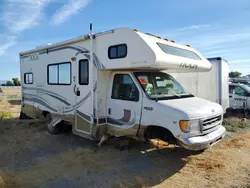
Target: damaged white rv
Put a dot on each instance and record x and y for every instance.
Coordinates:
(111, 83)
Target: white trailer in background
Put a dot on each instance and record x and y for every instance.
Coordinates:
(239, 96)
(211, 85)
(111, 83)
(245, 81)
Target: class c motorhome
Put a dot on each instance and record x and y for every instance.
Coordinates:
(111, 83)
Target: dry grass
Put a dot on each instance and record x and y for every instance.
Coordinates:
(3, 102)
(158, 144)
(236, 143)
(205, 163)
(11, 91)
(10, 103)
(236, 124)
(5, 115)
(8, 181)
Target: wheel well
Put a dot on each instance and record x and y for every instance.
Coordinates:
(45, 113)
(161, 133)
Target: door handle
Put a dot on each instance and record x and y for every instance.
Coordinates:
(109, 111)
(78, 92)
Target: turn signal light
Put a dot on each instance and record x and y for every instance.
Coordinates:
(185, 126)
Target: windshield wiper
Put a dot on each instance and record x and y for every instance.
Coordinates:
(176, 95)
(167, 95)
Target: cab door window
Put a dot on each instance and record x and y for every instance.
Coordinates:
(240, 91)
(231, 89)
(124, 88)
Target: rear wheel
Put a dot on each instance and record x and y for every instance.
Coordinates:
(24, 116)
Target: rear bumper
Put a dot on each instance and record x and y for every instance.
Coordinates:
(203, 142)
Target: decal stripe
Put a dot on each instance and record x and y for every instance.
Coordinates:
(43, 90)
(36, 100)
(84, 116)
(79, 49)
(58, 98)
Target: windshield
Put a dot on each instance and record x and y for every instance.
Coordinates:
(159, 85)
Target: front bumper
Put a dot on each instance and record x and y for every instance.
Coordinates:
(203, 142)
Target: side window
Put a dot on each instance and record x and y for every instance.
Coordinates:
(231, 89)
(83, 72)
(28, 78)
(240, 91)
(59, 74)
(117, 51)
(124, 88)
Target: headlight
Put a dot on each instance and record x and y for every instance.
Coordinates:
(185, 126)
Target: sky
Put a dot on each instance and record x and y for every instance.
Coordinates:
(216, 28)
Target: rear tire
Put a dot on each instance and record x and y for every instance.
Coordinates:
(24, 116)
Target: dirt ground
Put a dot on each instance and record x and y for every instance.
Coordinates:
(30, 157)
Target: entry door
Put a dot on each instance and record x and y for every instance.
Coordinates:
(237, 97)
(124, 103)
(83, 98)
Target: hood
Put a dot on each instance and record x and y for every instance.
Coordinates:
(194, 107)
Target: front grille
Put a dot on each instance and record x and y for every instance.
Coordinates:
(210, 124)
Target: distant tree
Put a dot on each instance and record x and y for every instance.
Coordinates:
(3, 84)
(234, 74)
(248, 75)
(9, 83)
(16, 81)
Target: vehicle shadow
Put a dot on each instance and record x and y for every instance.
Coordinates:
(66, 160)
(237, 113)
(144, 165)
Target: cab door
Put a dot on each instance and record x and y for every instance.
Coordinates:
(124, 104)
(237, 97)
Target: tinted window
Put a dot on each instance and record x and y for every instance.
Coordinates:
(83, 72)
(240, 91)
(113, 52)
(124, 88)
(121, 51)
(231, 89)
(28, 78)
(117, 51)
(59, 74)
(178, 51)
